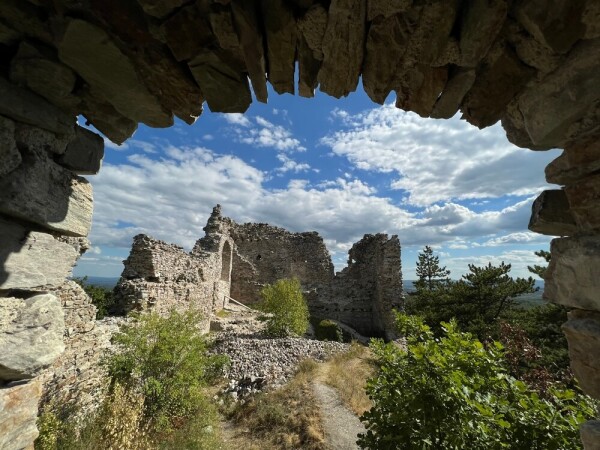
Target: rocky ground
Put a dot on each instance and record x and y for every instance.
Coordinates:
(258, 362)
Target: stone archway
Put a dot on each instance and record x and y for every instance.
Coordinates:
(120, 63)
(226, 262)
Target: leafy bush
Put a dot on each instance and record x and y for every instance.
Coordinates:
(103, 299)
(452, 392)
(166, 360)
(287, 306)
(326, 330)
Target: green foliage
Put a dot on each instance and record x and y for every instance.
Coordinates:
(538, 270)
(453, 393)
(166, 360)
(102, 298)
(326, 330)
(476, 301)
(287, 307)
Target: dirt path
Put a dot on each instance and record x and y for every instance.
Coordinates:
(341, 425)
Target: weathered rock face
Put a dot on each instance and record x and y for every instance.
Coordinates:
(18, 414)
(363, 294)
(31, 335)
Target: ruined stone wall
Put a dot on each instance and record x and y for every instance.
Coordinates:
(364, 293)
(76, 381)
(264, 254)
(45, 214)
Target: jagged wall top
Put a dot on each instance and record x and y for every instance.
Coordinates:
(119, 63)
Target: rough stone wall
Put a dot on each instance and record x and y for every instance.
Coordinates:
(76, 381)
(45, 214)
(264, 254)
(161, 277)
(364, 293)
(573, 275)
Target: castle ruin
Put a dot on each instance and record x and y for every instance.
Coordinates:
(234, 261)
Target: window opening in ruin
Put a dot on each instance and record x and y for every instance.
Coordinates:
(258, 257)
(226, 262)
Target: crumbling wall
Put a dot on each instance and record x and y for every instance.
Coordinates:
(364, 293)
(160, 277)
(77, 381)
(264, 254)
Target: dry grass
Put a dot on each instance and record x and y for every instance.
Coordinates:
(348, 373)
(284, 419)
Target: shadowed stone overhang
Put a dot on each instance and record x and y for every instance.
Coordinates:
(531, 64)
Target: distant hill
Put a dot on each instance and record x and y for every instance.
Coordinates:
(526, 300)
(103, 282)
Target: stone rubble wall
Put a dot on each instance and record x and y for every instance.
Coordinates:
(265, 254)
(364, 293)
(45, 216)
(76, 381)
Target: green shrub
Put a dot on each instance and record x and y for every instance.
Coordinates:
(326, 330)
(165, 359)
(453, 393)
(287, 306)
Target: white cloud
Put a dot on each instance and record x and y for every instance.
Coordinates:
(523, 237)
(518, 259)
(289, 165)
(438, 160)
(263, 133)
(109, 144)
(236, 119)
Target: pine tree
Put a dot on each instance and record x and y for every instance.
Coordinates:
(538, 270)
(431, 275)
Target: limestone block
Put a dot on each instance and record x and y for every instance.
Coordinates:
(8, 36)
(552, 105)
(160, 8)
(280, 27)
(343, 47)
(106, 118)
(453, 94)
(495, 86)
(557, 27)
(43, 75)
(31, 335)
(41, 140)
(590, 17)
(590, 435)
(252, 45)
(188, 31)
(426, 84)
(481, 22)
(223, 84)
(18, 415)
(91, 52)
(386, 44)
(32, 259)
(550, 214)
(583, 334)
(84, 153)
(579, 159)
(311, 31)
(573, 275)
(10, 158)
(584, 197)
(384, 8)
(23, 105)
(27, 19)
(43, 192)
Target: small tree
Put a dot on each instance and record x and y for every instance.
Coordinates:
(287, 307)
(165, 359)
(538, 270)
(429, 272)
(102, 298)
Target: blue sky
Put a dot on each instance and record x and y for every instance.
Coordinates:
(341, 167)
